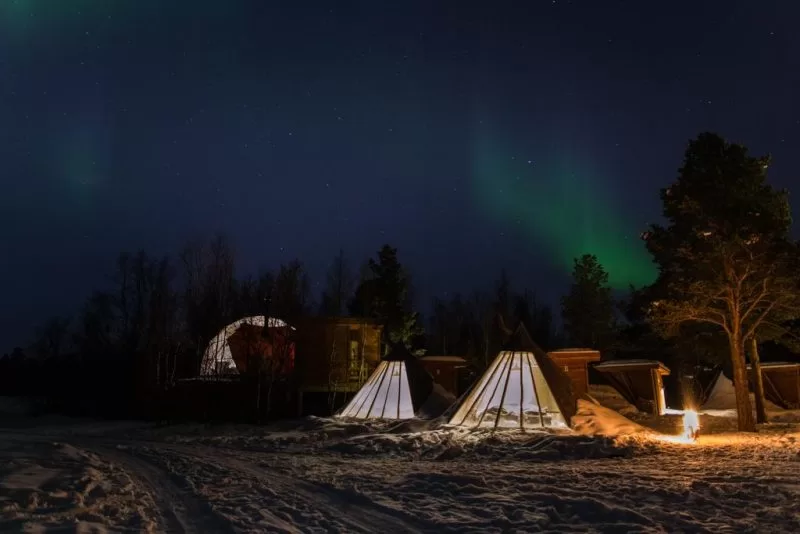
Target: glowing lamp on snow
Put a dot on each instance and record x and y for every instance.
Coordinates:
(691, 426)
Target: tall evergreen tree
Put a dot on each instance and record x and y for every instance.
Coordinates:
(724, 255)
(339, 287)
(384, 294)
(588, 311)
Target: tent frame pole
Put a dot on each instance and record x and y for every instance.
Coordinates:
(521, 395)
(493, 369)
(375, 397)
(505, 390)
(494, 391)
(367, 393)
(535, 389)
(400, 389)
(389, 387)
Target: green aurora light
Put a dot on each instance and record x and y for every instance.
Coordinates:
(565, 208)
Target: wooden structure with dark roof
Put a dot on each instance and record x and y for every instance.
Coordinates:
(639, 381)
(334, 358)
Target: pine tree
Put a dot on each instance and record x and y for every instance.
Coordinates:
(588, 311)
(724, 255)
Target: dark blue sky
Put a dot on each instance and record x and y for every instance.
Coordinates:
(299, 127)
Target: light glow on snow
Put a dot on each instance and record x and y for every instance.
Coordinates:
(691, 425)
(386, 395)
(513, 393)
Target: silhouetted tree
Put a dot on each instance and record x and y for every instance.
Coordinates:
(338, 288)
(208, 294)
(384, 294)
(52, 338)
(588, 311)
(291, 293)
(724, 256)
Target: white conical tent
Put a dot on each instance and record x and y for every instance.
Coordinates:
(218, 359)
(386, 395)
(722, 395)
(512, 393)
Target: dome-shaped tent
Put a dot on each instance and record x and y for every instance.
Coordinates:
(227, 352)
(397, 389)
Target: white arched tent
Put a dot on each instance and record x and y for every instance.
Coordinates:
(218, 359)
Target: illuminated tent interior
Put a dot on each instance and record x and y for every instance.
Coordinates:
(522, 388)
(226, 352)
(397, 389)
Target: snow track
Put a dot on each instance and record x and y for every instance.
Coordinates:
(327, 477)
(357, 512)
(179, 509)
(288, 500)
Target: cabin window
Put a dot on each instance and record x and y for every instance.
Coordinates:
(355, 356)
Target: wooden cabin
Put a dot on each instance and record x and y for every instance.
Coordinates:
(640, 382)
(575, 362)
(445, 371)
(781, 383)
(334, 357)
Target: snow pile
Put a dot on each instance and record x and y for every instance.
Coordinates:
(53, 484)
(596, 420)
(295, 434)
(448, 443)
(329, 475)
(437, 403)
(610, 398)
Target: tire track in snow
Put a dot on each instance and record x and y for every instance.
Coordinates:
(179, 511)
(356, 512)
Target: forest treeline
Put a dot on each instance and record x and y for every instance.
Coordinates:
(727, 293)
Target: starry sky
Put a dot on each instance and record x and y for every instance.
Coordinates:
(473, 136)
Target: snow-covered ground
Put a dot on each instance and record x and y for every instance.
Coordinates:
(324, 475)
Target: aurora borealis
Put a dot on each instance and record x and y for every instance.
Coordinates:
(563, 208)
(299, 128)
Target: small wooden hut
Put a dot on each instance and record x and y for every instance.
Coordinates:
(575, 362)
(334, 358)
(445, 371)
(639, 381)
(781, 383)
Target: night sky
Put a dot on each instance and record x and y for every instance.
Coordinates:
(471, 135)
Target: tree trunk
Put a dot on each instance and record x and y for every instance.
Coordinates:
(758, 382)
(744, 409)
(258, 396)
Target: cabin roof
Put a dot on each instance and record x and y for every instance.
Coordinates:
(632, 365)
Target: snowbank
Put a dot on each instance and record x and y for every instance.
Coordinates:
(609, 397)
(596, 420)
(52, 484)
(330, 475)
(437, 403)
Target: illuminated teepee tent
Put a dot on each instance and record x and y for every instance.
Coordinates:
(396, 390)
(523, 388)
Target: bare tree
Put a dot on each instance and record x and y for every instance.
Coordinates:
(339, 287)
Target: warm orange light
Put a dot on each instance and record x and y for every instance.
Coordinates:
(691, 429)
(691, 425)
